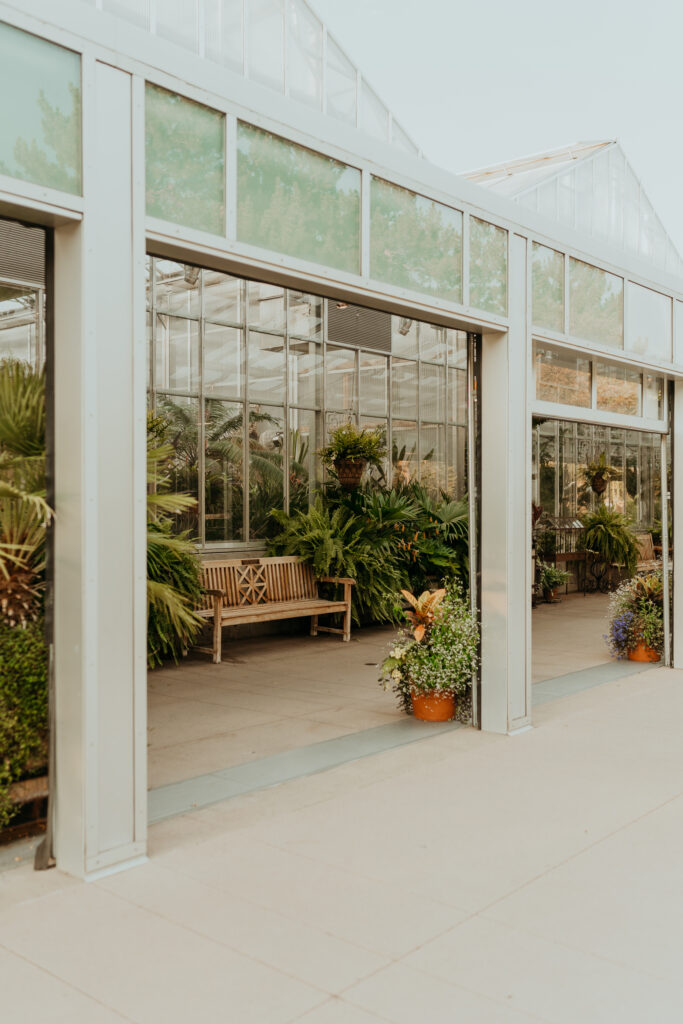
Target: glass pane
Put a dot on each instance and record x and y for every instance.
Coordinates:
(304, 470)
(456, 480)
(432, 392)
(432, 343)
(618, 389)
(653, 397)
(182, 416)
(176, 20)
(135, 11)
(223, 361)
(547, 287)
(404, 389)
(341, 387)
(20, 333)
(266, 361)
(562, 377)
(374, 380)
(149, 320)
(433, 474)
(224, 33)
(374, 116)
(415, 242)
(305, 314)
(185, 161)
(457, 348)
(404, 452)
(266, 306)
(341, 84)
(177, 288)
(222, 297)
(457, 396)
(266, 467)
(267, 42)
(321, 197)
(177, 352)
(40, 139)
(649, 326)
(404, 336)
(596, 304)
(305, 373)
(488, 267)
(224, 471)
(304, 55)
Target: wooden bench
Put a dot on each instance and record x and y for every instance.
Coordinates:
(243, 590)
(647, 560)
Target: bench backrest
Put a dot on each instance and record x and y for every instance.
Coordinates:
(246, 581)
(646, 551)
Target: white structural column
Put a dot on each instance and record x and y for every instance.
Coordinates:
(676, 514)
(505, 513)
(100, 612)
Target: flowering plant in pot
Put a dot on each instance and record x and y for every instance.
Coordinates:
(550, 578)
(636, 619)
(350, 450)
(432, 661)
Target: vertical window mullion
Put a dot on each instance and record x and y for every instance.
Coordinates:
(286, 431)
(201, 431)
(245, 418)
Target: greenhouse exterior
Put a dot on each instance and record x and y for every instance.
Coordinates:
(237, 228)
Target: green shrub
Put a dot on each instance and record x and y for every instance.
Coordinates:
(23, 708)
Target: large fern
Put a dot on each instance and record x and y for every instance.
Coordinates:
(609, 535)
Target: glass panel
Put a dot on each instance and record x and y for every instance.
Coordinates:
(404, 452)
(432, 392)
(596, 304)
(653, 397)
(304, 470)
(457, 396)
(488, 267)
(404, 336)
(374, 380)
(177, 288)
(267, 42)
(456, 480)
(305, 55)
(618, 389)
(40, 139)
(404, 389)
(182, 416)
(563, 377)
(321, 197)
(223, 360)
(224, 33)
(457, 348)
(19, 326)
(649, 328)
(305, 314)
(379, 475)
(149, 320)
(305, 373)
(135, 11)
(224, 471)
(185, 161)
(433, 473)
(266, 467)
(432, 343)
(374, 116)
(415, 242)
(266, 362)
(222, 297)
(341, 387)
(177, 20)
(266, 306)
(547, 287)
(177, 351)
(341, 84)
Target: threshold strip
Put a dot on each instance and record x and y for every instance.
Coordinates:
(203, 790)
(586, 679)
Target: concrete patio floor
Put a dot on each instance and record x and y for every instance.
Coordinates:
(568, 636)
(467, 877)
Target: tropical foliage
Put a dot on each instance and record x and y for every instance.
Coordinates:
(348, 442)
(609, 535)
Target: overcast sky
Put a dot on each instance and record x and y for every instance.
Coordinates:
(483, 81)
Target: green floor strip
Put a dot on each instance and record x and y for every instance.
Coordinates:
(575, 682)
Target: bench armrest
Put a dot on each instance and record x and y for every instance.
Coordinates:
(336, 579)
(214, 593)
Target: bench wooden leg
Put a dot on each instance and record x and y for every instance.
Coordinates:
(314, 625)
(217, 638)
(347, 614)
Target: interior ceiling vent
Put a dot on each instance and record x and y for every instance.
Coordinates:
(22, 253)
(358, 327)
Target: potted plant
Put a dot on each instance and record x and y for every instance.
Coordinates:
(599, 474)
(350, 450)
(609, 536)
(549, 578)
(432, 663)
(636, 619)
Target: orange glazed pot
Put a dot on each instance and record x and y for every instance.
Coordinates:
(642, 653)
(433, 707)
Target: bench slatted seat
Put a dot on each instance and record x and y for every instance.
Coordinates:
(244, 590)
(647, 560)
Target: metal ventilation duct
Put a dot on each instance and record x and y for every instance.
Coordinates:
(22, 253)
(358, 327)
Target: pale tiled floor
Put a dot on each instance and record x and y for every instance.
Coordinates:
(469, 877)
(568, 636)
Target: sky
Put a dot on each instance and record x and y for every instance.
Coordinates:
(483, 81)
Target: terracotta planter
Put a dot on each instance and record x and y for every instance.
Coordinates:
(550, 596)
(433, 707)
(349, 472)
(643, 653)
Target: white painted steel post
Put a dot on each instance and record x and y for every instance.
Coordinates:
(676, 512)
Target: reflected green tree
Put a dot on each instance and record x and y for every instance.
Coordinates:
(55, 159)
(596, 304)
(488, 267)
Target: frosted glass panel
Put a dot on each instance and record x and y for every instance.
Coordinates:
(547, 287)
(297, 202)
(185, 161)
(223, 33)
(374, 116)
(341, 382)
(266, 42)
(648, 330)
(304, 55)
(415, 242)
(176, 20)
(341, 85)
(488, 267)
(596, 304)
(562, 377)
(678, 336)
(40, 85)
(135, 11)
(618, 389)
